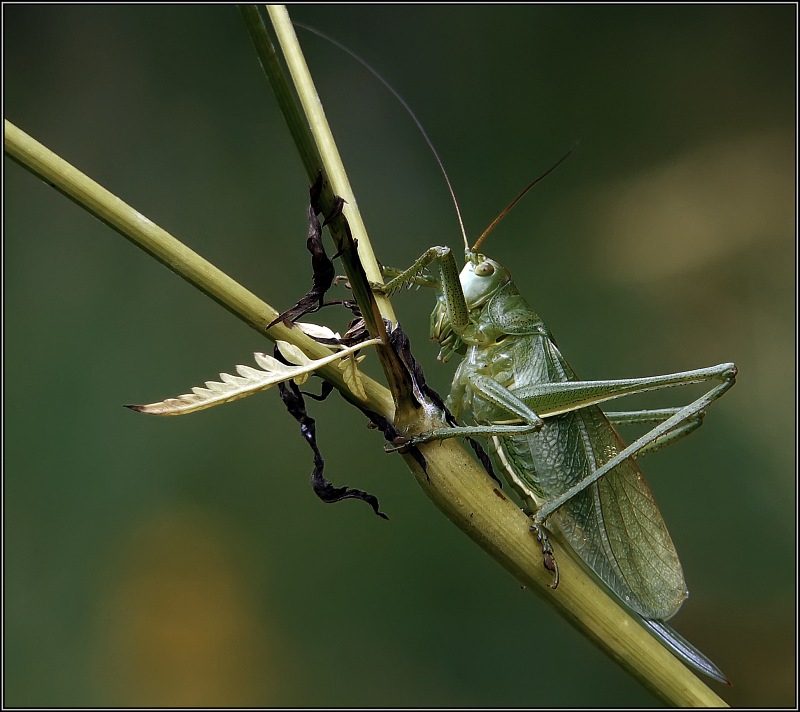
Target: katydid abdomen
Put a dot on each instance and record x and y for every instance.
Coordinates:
(614, 524)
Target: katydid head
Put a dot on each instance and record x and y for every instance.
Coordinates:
(481, 278)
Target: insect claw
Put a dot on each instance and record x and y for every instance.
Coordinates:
(549, 559)
(551, 564)
(400, 445)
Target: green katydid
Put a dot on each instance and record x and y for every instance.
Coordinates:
(551, 440)
(547, 433)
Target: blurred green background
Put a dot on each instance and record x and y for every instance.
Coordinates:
(186, 561)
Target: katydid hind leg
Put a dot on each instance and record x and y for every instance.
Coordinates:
(556, 397)
(640, 417)
(653, 417)
(548, 555)
(553, 398)
(684, 414)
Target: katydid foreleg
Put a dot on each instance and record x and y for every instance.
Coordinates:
(407, 277)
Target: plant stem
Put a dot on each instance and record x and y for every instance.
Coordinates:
(453, 480)
(460, 488)
(168, 250)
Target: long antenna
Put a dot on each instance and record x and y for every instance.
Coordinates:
(508, 207)
(405, 105)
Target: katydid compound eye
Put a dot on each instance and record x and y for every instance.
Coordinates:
(484, 269)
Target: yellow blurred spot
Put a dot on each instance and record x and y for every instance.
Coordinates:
(179, 626)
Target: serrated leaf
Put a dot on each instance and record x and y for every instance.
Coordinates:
(352, 376)
(252, 380)
(292, 353)
(317, 331)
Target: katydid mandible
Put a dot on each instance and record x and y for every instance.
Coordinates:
(553, 443)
